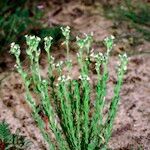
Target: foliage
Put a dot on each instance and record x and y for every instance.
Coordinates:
(9, 141)
(17, 17)
(54, 32)
(66, 108)
(136, 13)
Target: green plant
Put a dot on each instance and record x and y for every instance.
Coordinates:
(65, 107)
(9, 141)
(17, 17)
(136, 13)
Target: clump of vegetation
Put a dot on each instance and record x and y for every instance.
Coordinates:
(66, 110)
(17, 17)
(9, 141)
(137, 13)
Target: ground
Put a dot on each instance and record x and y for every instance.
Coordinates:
(132, 124)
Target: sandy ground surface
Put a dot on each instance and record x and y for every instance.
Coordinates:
(132, 124)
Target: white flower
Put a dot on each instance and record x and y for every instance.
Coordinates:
(59, 64)
(38, 38)
(64, 78)
(44, 81)
(48, 38)
(112, 37)
(60, 78)
(16, 66)
(53, 65)
(68, 78)
(12, 44)
(32, 37)
(84, 77)
(100, 54)
(78, 55)
(86, 59)
(92, 55)
(125, 68)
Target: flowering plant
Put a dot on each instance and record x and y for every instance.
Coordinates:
(68, 113)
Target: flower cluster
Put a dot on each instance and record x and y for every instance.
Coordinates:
(108, 42)
(85, 42)
(123, 63)
(64, 78)
(32, 42)
(15, 49)
(59, 66)
(47, 43)
(66, 32)
(52, 59)
(84, 77)
(98, 56)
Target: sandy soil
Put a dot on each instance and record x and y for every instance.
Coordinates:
(132, 124)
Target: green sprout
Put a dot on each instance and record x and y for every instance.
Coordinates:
(66, 34)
